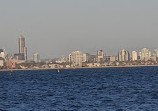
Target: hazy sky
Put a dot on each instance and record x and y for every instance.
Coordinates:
(55, 28)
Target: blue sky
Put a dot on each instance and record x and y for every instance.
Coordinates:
(54, 28)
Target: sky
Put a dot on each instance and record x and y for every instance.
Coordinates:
(55, 28)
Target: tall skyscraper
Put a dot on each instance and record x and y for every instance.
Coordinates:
(22, 48)
(145, 54)
(21, 44)
(134, 56)
(123, 55)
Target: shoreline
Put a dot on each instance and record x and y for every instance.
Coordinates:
(78, 68)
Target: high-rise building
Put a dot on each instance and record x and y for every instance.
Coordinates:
(84, 58)
(21, 44)
(134, 56)
(36, 58)
(123, 55)
(155, 53)
(145, 54)
(22, 48)
(100, 56)
(76, 58)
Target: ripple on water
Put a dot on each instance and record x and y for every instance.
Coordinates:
(102, 89)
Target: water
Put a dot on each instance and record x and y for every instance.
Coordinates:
(104, 89)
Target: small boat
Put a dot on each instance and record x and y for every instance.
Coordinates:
(58, 71)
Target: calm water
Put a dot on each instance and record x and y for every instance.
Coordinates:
(104, 89)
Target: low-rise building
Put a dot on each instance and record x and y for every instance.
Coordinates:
(2, 62)
(54, 66)
(93, 65)
(154, 58)
(112, 58)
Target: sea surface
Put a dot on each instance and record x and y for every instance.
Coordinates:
(98, 89)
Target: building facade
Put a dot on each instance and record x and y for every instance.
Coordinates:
(84, 58)
(145, 54)
(112, 58)
(22, 48)
(76, 59)
(2, 58)
(155, 53)
(100, 56)
(134, 56)
(123, 55)
(2, 53)
(36, 58)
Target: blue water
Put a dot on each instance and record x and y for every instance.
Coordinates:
(102, 89)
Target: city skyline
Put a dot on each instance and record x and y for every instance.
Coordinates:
(22, 49)
(66, 26)
(78, 58)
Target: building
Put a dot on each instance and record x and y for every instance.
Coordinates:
(134, 56)
(19, 56)
(21, 44)
(107, 58)
(9, 56)
(36, 58)
(112, 58)
(54, 66)
(63, 59)
(123, 55)
(155, 53)
(2, 53)
(145, 54)
(22, 48)
(100, 56)
(153, 58)
(76, 59)
(25, 53)
(90, 58)
(2, 62)
(85, 57)
(93, 65)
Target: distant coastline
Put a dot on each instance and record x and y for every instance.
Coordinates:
(79, 68)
